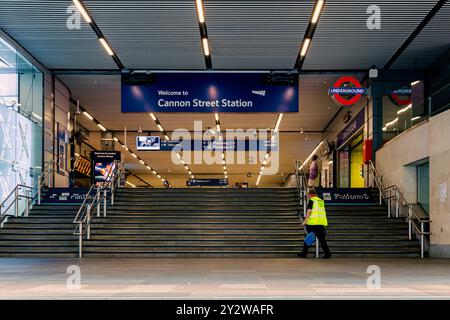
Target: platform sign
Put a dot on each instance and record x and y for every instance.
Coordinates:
(210, 92)
(65, 195)
(207, 183)
(347, 195)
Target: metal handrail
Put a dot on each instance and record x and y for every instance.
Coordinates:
(82, 220)
(393, 193)
(302, 183)
(17, 196)
(91, 204)
(27, 195)
(300, 176)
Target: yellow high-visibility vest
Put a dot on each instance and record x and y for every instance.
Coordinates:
(318, 215)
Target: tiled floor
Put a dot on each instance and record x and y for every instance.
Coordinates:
(223, 278)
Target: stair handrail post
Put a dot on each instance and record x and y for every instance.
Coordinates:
(410, 222)
(113, 188)
(317, 248)
(104, 202)
(39, 190)
(27, 203)
(397, 203)
(80, 239)
(16, 202)
(97, 199)
(380, 198)
(422, 239)
(389, 203)
(88, 220)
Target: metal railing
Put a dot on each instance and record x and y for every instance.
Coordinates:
(30, 194)
(302, 189)
(300, 176)
(94, 203)
(394, 198)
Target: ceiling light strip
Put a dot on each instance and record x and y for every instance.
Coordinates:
(104, 129)
(309, 33)
(267, 156)
(166, 136)
(101, 38)
(203, 33)
(224, 163)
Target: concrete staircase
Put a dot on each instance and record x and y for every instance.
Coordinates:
(46, 232)
(204, 223)
(236, 223)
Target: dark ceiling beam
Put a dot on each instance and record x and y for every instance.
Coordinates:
(415, 33)
(157, 132)
(107, 72)
(85, 72)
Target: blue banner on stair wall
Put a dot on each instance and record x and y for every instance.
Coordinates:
(210, 92)
(207, 183)
(347, 195)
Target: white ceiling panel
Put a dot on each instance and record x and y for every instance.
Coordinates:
(151, 34)
(40, 26)
(256, 34)
(343, 41)
(433, 41)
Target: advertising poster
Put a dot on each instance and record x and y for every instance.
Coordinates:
(103, 164)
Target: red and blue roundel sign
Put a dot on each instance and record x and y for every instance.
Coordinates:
(401, 97)
(347, 91)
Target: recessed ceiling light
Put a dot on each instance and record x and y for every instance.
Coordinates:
(88, 115)
(205, 46)
(200, 14)
(305, 47)
(317, 11)
(83, 11)
(106, 46)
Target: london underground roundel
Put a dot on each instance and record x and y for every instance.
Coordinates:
(347, 91)
(401, 97)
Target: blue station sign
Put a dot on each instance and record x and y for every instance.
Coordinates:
(210, 92)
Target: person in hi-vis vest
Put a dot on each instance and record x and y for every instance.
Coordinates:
(316, 221)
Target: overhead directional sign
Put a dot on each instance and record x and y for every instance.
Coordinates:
(210, 92)
(143, 144)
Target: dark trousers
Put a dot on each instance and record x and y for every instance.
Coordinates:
(320, 235)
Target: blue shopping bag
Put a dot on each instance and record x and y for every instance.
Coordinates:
(310, 238)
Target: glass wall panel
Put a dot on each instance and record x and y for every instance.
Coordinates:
(21, 108)
(423, 186)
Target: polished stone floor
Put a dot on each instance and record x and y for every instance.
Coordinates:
(121, 278)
